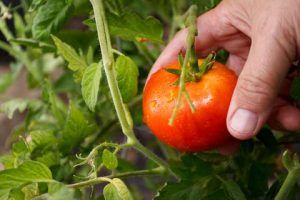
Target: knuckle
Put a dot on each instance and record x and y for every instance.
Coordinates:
(254, 91)
(222, 24)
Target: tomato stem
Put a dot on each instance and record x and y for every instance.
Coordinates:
(192, 31)
(189, 101)
(194, 60)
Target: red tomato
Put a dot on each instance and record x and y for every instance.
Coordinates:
(191, 132)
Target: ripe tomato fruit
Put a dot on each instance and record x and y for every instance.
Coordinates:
(205, 128)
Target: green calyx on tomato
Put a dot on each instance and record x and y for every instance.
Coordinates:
(194, 71)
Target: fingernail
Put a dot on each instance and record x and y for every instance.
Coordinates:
(244, 121)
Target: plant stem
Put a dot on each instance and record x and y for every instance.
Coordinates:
(98, 180)
(4, 30)
(138, 146)
(288, 184)
(4, 46)
(192, 30)
(108, 62)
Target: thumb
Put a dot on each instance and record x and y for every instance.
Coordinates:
(257, 86)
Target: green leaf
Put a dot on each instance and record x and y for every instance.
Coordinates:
(8, 160)
(109, 159)
(77, 128)
(90, 84)
(16, 194)
(49, 158)
(50, 18)
(30, 191)
(122, 189)
(127, 77)
(80, 40)
(110, 192)
(59, 191)
(217, 195)
(76, 63)
(9, 107)
(234, 190)
(183, 190)
(222, 56)
(57, 108)
(19, 25)
(132, 27)
(295, 89)
(207, 63)
(8, 78)
(258, 178)
(29, 171)
(191, 168)
(35, 4)
(173, 71)
(65, 83)
(287, 160)
(20, 148)
(41, 139)
(4, 194)
(266, 136)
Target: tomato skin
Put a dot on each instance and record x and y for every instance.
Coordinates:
(191, 132)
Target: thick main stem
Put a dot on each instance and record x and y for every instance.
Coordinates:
(288, 184)
(108, 62)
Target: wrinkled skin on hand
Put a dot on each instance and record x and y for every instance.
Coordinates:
(263, 38)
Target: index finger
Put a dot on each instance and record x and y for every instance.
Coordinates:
(204, 42)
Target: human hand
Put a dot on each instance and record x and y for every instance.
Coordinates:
(263, 38)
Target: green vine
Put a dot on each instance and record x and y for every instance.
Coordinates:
(108, 62)
(292, 164)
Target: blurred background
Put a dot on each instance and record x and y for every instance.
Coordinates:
(17, 90)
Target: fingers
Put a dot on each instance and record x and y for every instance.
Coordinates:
(206, 27)
(288, 117)
(257, 87)
(285, 116)
(235, 63)
(170, 53)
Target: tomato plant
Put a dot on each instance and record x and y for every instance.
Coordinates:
(81, 133)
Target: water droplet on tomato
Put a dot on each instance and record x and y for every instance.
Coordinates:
(207, 99)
